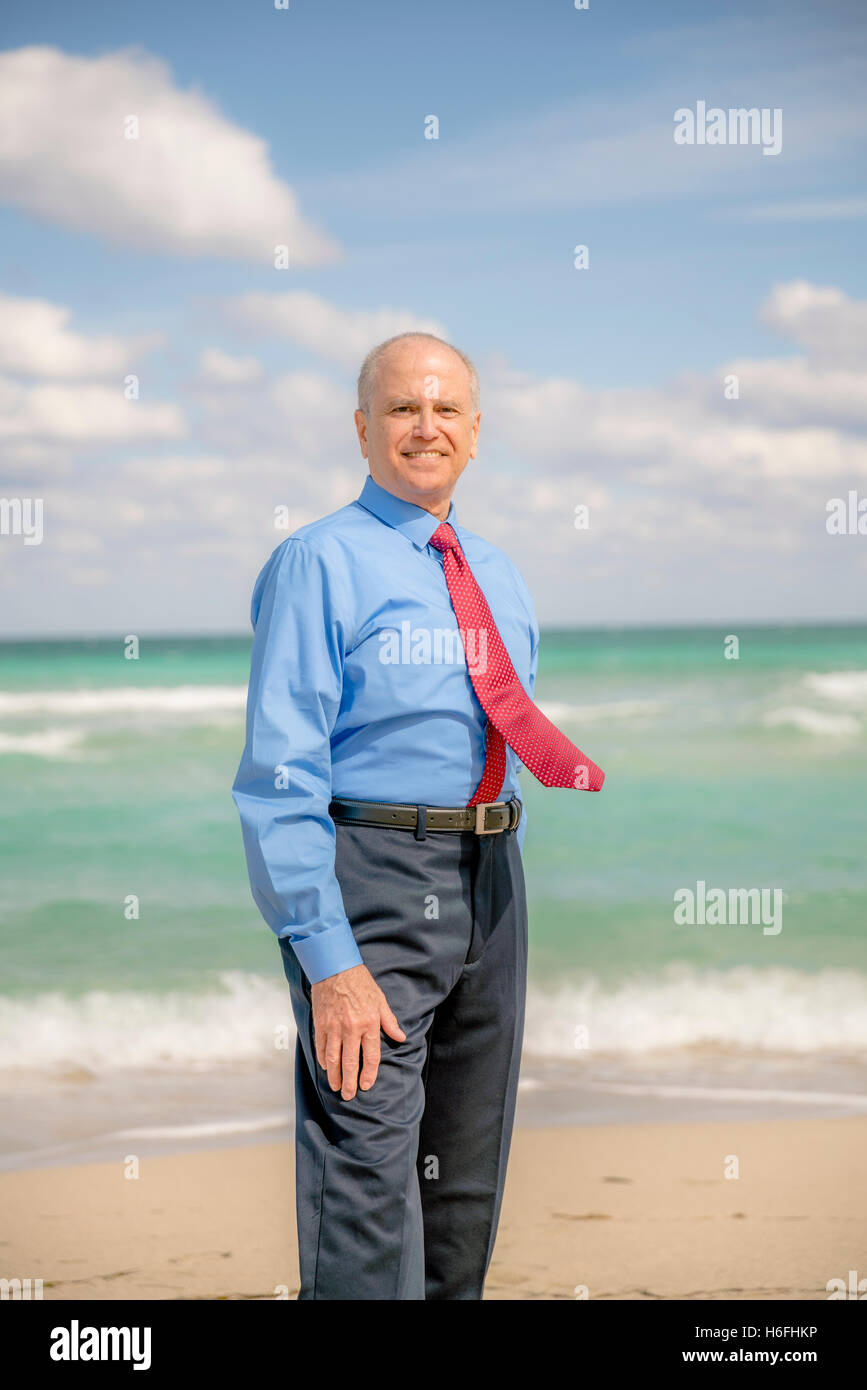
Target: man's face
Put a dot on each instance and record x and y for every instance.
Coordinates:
(420, 432)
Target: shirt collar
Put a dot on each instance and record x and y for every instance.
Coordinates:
(413, 522)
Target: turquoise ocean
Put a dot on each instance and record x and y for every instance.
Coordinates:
(172, 1029)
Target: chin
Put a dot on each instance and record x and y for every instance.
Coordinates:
(426, 479)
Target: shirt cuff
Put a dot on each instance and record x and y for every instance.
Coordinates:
(327, 952)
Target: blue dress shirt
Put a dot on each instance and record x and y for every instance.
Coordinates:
(359, 688)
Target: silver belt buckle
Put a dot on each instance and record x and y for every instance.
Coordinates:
(481, 810)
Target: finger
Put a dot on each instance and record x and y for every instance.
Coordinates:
(320, 1042)
(332, 1062)
(390, 1024)
(371, 1057)
(350, 1068)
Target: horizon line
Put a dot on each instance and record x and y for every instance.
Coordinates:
(247, 633)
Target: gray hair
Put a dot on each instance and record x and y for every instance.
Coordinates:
(370, 366)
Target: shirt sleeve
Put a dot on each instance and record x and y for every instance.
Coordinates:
(283, 785)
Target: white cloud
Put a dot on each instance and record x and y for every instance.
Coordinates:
(25, 457)
(662, 438)
(35, 341)
(86, 413)
(343, 335)
(293, 414)
(191, 184)
(792, 391)
(312, 417)
(173, 472)
(821, 318)
(218, 368)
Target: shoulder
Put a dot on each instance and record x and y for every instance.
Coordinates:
(320, 543)
(329, 533)
(314, 557)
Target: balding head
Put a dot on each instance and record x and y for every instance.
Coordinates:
(371, 364)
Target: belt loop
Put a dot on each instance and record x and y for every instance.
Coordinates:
(420, 831)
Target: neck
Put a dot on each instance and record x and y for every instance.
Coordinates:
(440, 510)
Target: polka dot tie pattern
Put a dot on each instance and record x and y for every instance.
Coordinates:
(513, 719)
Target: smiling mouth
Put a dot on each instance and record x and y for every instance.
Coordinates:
(423, 454)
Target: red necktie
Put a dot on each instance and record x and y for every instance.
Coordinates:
(512, 716)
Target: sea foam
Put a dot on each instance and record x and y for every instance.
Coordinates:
(246, 1019)
(138, 699)
(813, 721)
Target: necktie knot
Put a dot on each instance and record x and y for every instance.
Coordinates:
(444, 538)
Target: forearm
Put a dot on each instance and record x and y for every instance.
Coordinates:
(289, 844)
(283, 784)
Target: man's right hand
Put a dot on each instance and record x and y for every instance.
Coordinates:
(348, 1011)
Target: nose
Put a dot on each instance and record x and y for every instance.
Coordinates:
(426, 426)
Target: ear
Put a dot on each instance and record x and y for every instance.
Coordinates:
(476, 423)
(361, 428)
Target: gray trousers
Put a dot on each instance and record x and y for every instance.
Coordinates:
(399, 1189)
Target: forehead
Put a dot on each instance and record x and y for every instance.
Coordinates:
(405, 368)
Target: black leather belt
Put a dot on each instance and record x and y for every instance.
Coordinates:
(488, 818)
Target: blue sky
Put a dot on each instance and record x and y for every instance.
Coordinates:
(601, 386)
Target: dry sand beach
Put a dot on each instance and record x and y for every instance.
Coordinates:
(629, 1211)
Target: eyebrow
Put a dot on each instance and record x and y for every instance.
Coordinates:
(409, 400)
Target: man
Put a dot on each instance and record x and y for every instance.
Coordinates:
(393, 662)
